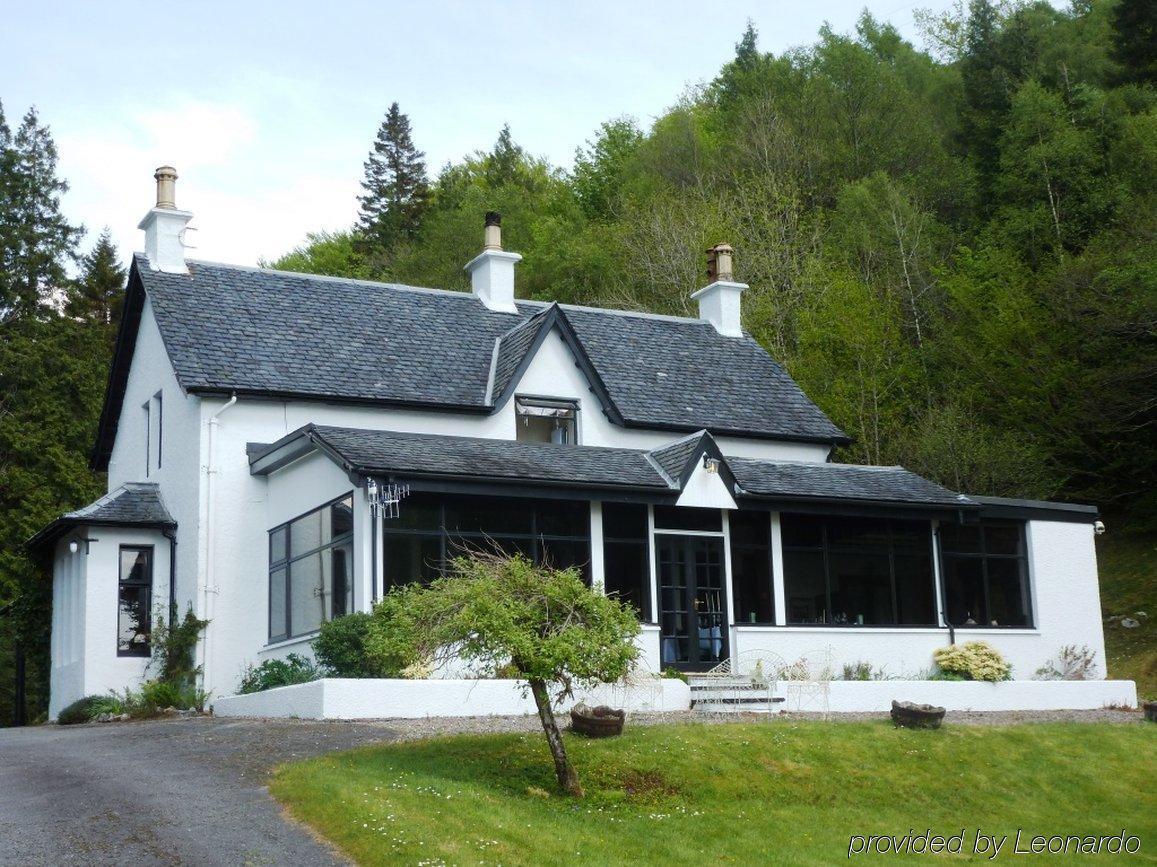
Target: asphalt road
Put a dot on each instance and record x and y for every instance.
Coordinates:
(161, 792)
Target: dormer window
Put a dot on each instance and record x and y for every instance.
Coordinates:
(546, 420)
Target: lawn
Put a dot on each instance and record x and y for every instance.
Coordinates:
(761, 792)
(1127, 563)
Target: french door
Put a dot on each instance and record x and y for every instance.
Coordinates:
(692, 601)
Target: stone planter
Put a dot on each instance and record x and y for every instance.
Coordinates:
(597, 722)
(1150, 710)
(916, 716)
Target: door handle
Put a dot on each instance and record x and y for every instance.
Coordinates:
(696, 604)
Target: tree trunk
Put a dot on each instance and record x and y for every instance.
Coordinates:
(567, 778)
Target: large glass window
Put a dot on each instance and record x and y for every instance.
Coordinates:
(858, 571)
(135, 600)
(751, 567)
(545, 420)
(626, 555)
(311, 570)
(985, 574)
(432, 529)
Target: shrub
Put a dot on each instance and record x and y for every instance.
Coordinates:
(273, 673)
(340, 648)
(156, 696)
(671, 673)
(858, 671)
(1072, 663)
(81, 711)
(974, 660)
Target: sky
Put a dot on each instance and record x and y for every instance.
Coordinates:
(268, 110)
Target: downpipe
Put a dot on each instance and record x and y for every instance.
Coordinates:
(209, 586)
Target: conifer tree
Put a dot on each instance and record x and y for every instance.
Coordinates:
(986, 93)
(1135, 40)
(396, 189)
(99, 292)
(503, 164)
(35, 238)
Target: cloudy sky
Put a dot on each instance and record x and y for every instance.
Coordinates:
(267, 109)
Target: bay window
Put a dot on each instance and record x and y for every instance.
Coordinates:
(311, 570)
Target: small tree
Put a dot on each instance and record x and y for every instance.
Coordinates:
(499, 612)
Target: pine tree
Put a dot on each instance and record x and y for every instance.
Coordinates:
(35, 238)
(747, 49)
(99, 292)
(396, 189)
(504, 163)
(1135, 40)
(986, 94)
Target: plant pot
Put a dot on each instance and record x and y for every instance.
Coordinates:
(1150, 710)
(597, 722)
(916, 716)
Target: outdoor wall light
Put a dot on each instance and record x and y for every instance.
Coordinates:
(74, 544)
(711, 464)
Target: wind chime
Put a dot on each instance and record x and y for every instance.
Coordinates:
(385, 499)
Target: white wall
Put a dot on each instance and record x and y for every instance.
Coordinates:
(179, 475)
(85, 613)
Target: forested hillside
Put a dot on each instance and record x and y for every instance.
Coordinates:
(953, 253)
(953, 250)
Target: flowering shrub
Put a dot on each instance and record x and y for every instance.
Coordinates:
(974, 660)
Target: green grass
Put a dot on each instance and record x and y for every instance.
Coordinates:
(767, 792)
(1127, 564)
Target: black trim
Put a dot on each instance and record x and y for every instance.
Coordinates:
(1036, 510)
(118, 375)
(62, 525)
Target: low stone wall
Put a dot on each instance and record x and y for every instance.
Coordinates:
(338, 698)
(341, 698)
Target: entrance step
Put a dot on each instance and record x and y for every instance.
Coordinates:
(716, 693)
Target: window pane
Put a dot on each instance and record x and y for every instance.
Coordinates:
(537, 429)
(492, 516)
(133, 620)
(305, 534)
(861, 586)
(306, 592)
(342, 517)
(411, 558)
(964, 587)
(277, 587)
(751, 577)
(277, 548)
(857, 532)
(750, 528)
(1007, 593)
(686, 518)
(915, 590)
(136, 566)
(1002, 539)
(563, 518)
(804, 585)
(338, 579)
(563, 554)
(963, 538)
(625, 521)
(628, 574)
(417, 512)
(913, 537)
(802, 530)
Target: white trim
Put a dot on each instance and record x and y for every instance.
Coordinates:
(729, 586)
(289, 642)
(598, 565)
(652, 564)
(664, 532)
(961, 631)
(778, 585)
(937, 578)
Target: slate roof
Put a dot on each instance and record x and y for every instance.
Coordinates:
(133, 504)
(840, 482)
(371, 452)
(374, 452)
(257, 331)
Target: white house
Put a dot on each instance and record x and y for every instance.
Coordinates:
(282, 449)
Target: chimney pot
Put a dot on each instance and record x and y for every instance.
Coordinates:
(492, 235)
(166, 177)
(719, 300)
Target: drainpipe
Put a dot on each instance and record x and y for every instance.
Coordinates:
(171, 534)
(208, 589)
(943, 591)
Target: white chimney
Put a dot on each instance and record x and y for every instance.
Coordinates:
(164, 226)
(492, 270)
(719, 300)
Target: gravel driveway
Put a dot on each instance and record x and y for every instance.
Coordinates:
(192, 791)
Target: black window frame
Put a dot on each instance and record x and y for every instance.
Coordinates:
(147, 406)
(984, 556)
(285, 563)
(450, 542)
(614, 538)
(159, 398)
(551, 403)
(144, 651)
(827, 550)
(767, 550)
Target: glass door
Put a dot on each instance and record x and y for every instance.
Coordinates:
(692, 601)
